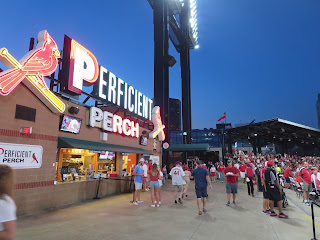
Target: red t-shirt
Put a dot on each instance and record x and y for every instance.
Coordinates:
(204, 166)
(298, 180)
(149, 166)
(249, 172)
(306, 175)
(231, 179)
(262, 171)
(242, 168)
(287, 172)
(221, 168)
(153, 178)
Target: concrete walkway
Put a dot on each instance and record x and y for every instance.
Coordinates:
(117, 219)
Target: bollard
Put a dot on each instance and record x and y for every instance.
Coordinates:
(97, 193)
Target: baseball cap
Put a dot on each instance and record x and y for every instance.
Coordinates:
(230, 160)
(177, 163)
(141, 160)
(270, 163)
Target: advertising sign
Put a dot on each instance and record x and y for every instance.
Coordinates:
(19, 156)
(31, 70)
(81, 68)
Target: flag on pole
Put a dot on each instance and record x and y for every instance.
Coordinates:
(223, 117)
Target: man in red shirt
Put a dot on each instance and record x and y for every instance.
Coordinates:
(287, 174)
(249, 179)
(221, 168)
(242, 169)
(232, 173)
(305, 175)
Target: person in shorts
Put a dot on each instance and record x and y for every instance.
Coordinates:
(138, 174)
(305, 175)
(231, 173)
(273, 190)
(177, 175)
(186, 177)
(202, 180)
(153, 176)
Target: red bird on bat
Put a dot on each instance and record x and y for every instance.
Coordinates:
(39, 62)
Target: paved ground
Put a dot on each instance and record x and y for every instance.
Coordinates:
(117, 219)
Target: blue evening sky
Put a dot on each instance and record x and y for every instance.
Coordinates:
(257, 58)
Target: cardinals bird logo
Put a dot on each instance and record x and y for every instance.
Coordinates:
(158, 127)
(36, 64)
(34, 158)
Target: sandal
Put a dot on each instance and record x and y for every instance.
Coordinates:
(200, 213)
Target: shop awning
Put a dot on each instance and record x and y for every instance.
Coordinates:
(98, 146)
(188, 147)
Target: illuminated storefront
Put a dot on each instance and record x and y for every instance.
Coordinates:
(60, 147)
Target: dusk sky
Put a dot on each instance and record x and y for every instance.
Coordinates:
(257, 58)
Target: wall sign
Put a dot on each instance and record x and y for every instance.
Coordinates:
(81, 67)
(112, 123)
(19, 156)
(31, 69)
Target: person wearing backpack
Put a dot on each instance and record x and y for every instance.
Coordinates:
(273, 190)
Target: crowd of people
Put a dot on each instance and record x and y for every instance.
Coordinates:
(270, 173)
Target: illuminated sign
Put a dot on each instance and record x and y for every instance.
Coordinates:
(112, 123)
(20, 156)
(31, 69)
(158, 127)
(81, 67)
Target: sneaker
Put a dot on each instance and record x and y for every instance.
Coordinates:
(158, 205)
(234, 203)
(135, 203)
(175, 202)
(140, 202)
(282, 215)
(200, 213)
(265, 212)
(273, 214)
(307, 203)
(186, 195)
(180, 201)
(252, 195)
(153, 205)
(228, 204)
(204, 210)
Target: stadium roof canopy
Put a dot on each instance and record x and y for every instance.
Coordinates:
(278, 131)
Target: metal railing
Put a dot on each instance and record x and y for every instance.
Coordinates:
(313, 223)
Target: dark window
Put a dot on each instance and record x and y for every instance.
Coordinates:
(25, 113)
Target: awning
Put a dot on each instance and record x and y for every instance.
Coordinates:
(188, 147)
(98, 146)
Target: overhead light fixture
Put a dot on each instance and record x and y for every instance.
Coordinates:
(73, 110)
(170, 60)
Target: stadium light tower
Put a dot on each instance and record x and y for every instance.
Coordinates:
(175, 20)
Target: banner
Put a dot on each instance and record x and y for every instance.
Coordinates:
(19, 156)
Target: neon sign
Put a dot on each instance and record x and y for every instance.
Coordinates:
(158, 127)
(112, 123)
(31, 69)
(81, 67)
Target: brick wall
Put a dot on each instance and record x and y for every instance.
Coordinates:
(35, 189)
